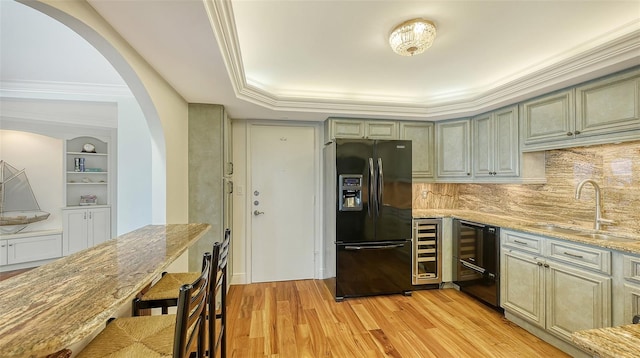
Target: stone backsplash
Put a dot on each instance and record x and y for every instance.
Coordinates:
(615, 167)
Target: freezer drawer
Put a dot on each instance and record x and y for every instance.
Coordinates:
(365, 269)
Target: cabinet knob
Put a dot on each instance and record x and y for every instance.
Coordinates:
(539, 263)
(569, 134)
(468, 173)
(576, 132)
(546, 265)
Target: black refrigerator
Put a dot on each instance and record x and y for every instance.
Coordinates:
(368, 194)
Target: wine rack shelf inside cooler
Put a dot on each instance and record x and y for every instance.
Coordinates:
(427, 255)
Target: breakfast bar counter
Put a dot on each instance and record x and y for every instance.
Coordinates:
(50, 308)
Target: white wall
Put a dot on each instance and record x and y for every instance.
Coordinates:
(63, 115)
(42, 159)
(135, 165)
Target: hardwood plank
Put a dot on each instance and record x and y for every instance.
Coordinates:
(301, 319)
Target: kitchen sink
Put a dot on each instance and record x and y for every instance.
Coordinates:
(606, 237)
(555, 228)
(580, 232)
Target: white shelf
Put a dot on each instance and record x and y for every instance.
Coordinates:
(87, 172)
(87, 153)
(105, 183)
(98, 181)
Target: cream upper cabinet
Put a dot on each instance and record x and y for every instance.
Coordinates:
(421, 136)
(496, 150)
(548, 118)
(359, 128)
(608, 106)
(601, 111)
(453, 150)
(380, 130)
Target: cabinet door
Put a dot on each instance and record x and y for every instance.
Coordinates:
(99, 225)
(227, 148)
(608, 106)
(381, 130)
(576, 300)
(3, 252)
(74, 231)
(343, 128)
(34, 248)
(522, 286)
(453, 149)
(484, 145)
(631, 302)
(506, 160)
(227, 204)
(549, 118)
(421, 137)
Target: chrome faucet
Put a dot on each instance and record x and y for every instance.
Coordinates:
(598, 220)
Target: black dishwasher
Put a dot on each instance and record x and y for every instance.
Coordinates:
(476, 265)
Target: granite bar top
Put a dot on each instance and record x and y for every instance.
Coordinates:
(53, 306)
(619, 342)
(626, 243)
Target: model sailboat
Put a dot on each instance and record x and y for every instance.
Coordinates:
(18, 205)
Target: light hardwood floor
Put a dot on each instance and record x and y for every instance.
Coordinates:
(301, 319)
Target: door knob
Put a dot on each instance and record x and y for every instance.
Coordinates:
(256, 212)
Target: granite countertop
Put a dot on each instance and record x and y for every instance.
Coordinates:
(49, 308)
(610, 342)
(626, 243)
(621, 341)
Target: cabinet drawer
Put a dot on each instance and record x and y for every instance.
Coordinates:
(522, 241)
(584, 256)
(631, 268)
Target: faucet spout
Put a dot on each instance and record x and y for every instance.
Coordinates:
(598, 217)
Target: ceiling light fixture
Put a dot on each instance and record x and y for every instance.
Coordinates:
(412, 37)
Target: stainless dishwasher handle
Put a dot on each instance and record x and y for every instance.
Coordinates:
(472, 266)
(372, 247)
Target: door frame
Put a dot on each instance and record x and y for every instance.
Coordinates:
(248, 205)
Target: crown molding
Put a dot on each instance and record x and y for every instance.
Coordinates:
(614, 52)
(65, 88)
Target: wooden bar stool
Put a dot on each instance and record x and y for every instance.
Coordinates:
(217, 318)
(164, 293)
(166, 335)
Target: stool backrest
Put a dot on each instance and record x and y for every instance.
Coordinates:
(217, 310)
(191, 315)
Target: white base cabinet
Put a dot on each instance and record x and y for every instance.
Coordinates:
(560, 287)
(29, 249)
(85, 227)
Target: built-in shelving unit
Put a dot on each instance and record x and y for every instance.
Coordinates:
(90, 179)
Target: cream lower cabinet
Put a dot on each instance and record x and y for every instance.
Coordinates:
(558, 286)
(3, 252)
(626, 287)
(83, 228)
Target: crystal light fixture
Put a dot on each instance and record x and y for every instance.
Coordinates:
(412, 37)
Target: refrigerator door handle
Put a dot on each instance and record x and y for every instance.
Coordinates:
(374, 247)
(371, 186)
(380, 184)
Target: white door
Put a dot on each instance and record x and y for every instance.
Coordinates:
(283, 182)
